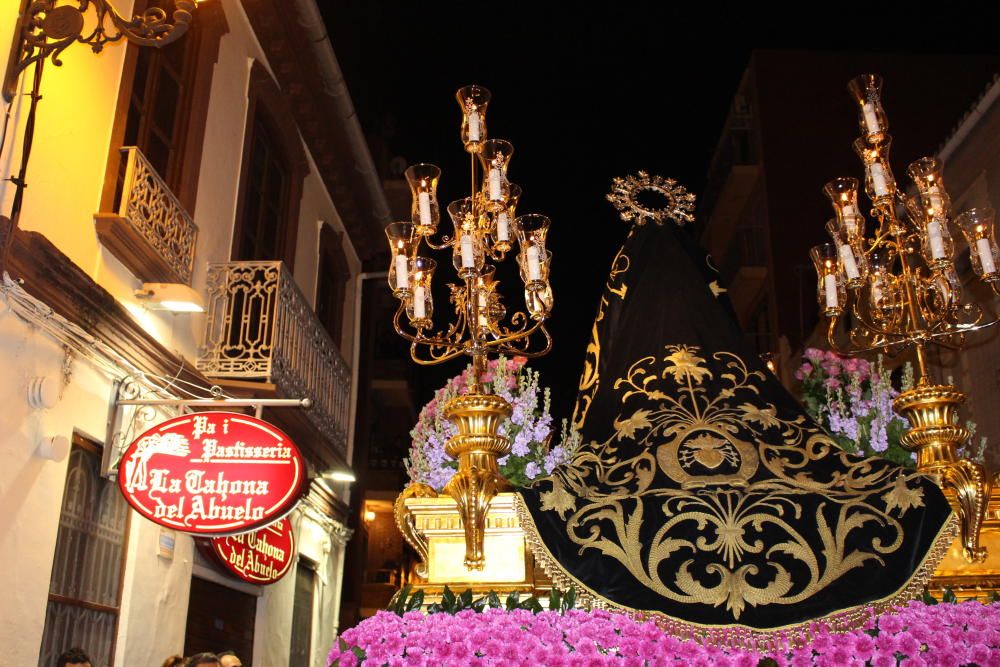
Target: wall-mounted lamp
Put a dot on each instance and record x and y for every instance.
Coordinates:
(369, 516)
(340, 476)
(46, 28)
(174, 297)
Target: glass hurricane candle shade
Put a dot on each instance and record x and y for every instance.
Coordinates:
(880, 184)
(936, 241)
(831, 293)
(851, 261)
(420, 303)
(977, 226)
(473, 101)
(403, 247)
(926, 174)
(881, 285)
(843, 194)
(539, 302)
(534, 262)
(532, 229)
(867, 93)
(947, 286)
(494, 156)
(424, 210)
(501, 228)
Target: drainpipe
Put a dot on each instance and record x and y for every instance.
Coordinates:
(356, 356)
(336, 88)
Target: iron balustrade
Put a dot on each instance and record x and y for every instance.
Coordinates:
(260, 327)
(152, 210)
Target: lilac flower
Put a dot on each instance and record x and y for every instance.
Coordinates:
(529, 427)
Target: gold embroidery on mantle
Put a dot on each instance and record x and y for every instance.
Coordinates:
(740, 470)
(590, 380)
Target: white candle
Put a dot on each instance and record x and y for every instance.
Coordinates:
(877, 293)
(849, 214)
(534, 265)
(424, 202)
(879, 183)
(503, 227)
(419, 304)
(475, 127)
(935, 240)
(468, 255)
(402, 274)
(871, 120)
(850, 266)
(830, 286)
(495, 190)
(986, 256)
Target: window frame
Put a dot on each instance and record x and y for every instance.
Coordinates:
(208, 28)
(266, 104)
(97, 449)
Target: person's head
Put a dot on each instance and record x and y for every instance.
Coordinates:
(75, 657)
(203, 660)
(174, 661)
(229, 659)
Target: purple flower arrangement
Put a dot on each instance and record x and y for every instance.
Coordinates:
(852, 398)
(529, 427)
(917, 634)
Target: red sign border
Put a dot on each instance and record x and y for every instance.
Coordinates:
(293, 495)
(209, 548)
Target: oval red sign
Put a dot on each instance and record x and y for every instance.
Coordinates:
(212, 473)
(262, 556)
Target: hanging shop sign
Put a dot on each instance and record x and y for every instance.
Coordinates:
(261, 556)
(212, 473)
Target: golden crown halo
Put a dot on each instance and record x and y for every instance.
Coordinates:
(625, 193)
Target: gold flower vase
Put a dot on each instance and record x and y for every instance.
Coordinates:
(477, 447)
(935, 436)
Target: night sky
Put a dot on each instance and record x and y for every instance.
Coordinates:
(586, 93)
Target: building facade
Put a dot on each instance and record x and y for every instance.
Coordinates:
(228, 164)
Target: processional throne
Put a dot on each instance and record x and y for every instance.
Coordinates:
(704, 495)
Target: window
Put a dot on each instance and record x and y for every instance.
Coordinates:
(274, 166)
(265, 197)
(331, 283)
(302, 614)
(85, 588)
(163, 105)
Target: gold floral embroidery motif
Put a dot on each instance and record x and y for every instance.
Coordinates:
(590, 380)
(733, 529)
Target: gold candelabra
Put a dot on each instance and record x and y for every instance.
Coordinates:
(899, 284)
(485, 229)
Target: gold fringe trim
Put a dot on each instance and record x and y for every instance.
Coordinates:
(741, 636)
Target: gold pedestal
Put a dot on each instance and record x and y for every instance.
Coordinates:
(478, 480)
(434, 527)
(935, 436)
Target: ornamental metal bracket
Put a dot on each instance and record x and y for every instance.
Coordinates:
(46, 28)
(139, 401)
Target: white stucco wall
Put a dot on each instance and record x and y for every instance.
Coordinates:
(65, 179)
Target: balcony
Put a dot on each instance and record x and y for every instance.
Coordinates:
(261, 329)
(151, 234)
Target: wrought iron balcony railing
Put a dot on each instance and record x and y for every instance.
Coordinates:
(260, 327)
(151, 233)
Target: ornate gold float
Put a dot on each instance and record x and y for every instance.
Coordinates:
(433, 527)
